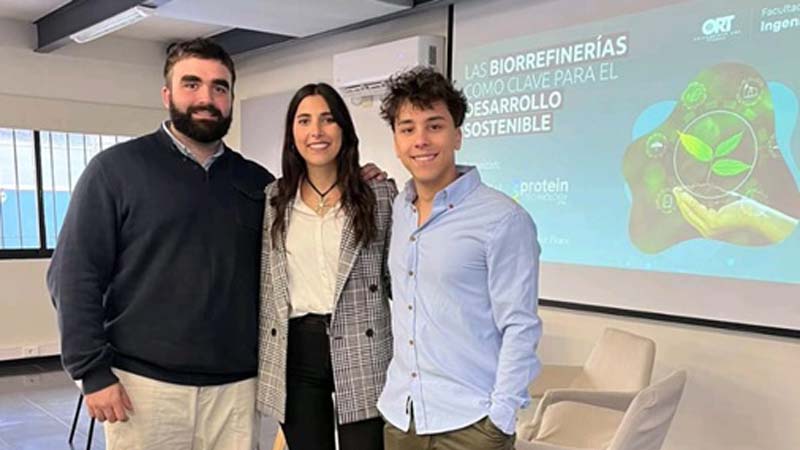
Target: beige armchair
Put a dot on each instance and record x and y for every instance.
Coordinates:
(573, 419)
(619, 361)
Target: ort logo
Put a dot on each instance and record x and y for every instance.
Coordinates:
(718, 29)
(718, 25)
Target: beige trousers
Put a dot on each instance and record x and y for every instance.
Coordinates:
(176, 417)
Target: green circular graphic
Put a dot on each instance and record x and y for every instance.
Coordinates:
(715, 167)
(694, 95)
(656, 145)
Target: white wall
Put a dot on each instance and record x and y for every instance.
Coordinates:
(110, 86)
(107, 86)
(741, 393)
(27, 319)
(287, 69)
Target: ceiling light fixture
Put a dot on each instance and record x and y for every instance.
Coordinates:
(112, 24)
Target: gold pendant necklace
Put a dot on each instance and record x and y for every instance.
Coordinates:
(321, 205)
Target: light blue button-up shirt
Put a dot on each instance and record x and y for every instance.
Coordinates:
(464, 309)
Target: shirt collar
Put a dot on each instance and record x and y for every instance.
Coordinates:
(185, 150)
(455, 192)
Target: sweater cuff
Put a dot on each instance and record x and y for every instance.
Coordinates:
(98, 379)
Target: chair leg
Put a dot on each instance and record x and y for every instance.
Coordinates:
(75, 419)
(91, 433)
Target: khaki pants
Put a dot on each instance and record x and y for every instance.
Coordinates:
(176, 417)
(482, 435)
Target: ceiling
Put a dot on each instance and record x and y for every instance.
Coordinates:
(28, 10)
(239, 25)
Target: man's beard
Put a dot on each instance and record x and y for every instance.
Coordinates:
(200, 130)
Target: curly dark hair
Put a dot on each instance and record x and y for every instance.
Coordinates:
(201, 48)
(358, 199)
(422, 86)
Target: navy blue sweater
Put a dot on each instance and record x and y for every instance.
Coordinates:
(156, 270)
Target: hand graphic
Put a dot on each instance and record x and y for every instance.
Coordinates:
(744, 214)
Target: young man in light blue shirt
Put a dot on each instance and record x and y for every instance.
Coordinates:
(464, 262)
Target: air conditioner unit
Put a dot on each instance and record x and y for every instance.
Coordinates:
(364, 72)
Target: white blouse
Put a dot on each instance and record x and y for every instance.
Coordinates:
(312, 257)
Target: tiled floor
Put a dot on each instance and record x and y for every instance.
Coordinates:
(37, 404)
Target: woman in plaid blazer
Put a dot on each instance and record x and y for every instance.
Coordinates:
(324, 321)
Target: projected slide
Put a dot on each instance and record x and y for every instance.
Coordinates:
(716, 161)
(660, 140)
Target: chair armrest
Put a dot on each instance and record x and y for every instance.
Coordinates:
(618, 400)
(553, 377)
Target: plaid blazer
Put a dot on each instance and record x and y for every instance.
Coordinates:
(360, 329)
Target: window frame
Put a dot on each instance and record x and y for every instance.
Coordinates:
(43, 252)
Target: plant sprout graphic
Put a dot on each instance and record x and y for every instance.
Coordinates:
(716, 157)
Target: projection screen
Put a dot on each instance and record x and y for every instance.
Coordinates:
(652, 141)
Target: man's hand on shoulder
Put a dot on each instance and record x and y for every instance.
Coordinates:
(110, 403)
(370, 172)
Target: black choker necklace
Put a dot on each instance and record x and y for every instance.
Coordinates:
(321, 194)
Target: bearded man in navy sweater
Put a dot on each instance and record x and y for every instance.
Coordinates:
(155, 275)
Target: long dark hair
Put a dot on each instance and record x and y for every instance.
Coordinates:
(358, 200)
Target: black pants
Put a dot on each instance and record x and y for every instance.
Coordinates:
(310, 416)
